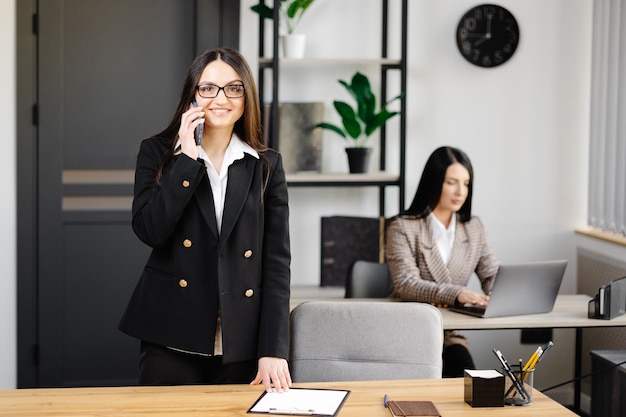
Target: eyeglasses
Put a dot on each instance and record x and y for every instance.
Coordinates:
(212, 90)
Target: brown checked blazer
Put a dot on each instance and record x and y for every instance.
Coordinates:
(193, 270)
(417, 269)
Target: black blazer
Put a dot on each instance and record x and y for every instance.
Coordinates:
(193, 270)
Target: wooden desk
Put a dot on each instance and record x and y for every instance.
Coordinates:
(570, 311)
(365, 399)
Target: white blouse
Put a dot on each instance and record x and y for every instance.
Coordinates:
(444, 237)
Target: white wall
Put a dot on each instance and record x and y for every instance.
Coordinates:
(524, 125)
(8, 254)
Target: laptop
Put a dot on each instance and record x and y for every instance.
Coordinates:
(529, 288)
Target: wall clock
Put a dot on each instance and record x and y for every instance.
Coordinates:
(487, 35)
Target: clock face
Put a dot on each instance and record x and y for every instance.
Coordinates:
(487, 35)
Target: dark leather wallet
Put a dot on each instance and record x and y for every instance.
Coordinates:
(412, 408)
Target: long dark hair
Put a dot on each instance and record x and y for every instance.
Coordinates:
(429, 189)
(248, 128)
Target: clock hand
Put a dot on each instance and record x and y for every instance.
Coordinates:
(481, 40)
(486, 35)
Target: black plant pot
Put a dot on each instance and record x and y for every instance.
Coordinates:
(358, 159)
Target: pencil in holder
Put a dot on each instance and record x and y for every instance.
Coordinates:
(519, 390)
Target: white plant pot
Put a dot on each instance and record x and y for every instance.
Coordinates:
(293, 45)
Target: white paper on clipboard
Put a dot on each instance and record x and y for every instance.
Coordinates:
(301, 401)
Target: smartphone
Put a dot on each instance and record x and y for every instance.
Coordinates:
(199, 129)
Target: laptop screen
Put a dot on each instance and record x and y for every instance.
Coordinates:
(529, 288)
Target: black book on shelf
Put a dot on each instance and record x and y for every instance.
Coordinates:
(345, 240)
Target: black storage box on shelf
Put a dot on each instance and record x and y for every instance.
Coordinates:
(608, 383)
(345, 240)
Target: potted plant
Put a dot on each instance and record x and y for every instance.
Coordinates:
(291, 12)
(360, 122)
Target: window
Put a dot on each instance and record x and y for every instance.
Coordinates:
(607, 164)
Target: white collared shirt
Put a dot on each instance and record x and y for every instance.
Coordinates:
(443, 237)
(219, 181)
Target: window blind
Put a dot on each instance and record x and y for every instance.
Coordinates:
(607, 165)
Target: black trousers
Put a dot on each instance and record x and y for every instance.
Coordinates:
(456, 358)
(159, 365)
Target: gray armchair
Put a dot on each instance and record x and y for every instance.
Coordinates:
(365, 340)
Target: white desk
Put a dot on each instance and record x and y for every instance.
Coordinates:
(570, 311)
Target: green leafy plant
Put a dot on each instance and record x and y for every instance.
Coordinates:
(360, 122)
(291, 12)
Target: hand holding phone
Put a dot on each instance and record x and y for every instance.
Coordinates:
(200, 129)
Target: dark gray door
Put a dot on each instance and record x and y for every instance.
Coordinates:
(108, 74)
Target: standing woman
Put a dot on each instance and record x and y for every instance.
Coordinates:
(435, 246)
(212, 304)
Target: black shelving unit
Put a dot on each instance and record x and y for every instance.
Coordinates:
(379, 179)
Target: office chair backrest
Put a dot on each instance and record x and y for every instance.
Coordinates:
(365, 340)
(367, 279)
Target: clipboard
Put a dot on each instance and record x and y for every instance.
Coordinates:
(300, 402)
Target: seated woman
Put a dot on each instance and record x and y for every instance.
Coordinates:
(435, 246)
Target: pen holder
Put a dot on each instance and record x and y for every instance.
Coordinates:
(520, 391)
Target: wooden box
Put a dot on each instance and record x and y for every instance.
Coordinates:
(484, 388)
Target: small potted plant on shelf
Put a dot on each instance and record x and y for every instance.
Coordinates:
(291, 12)
(360, 122)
